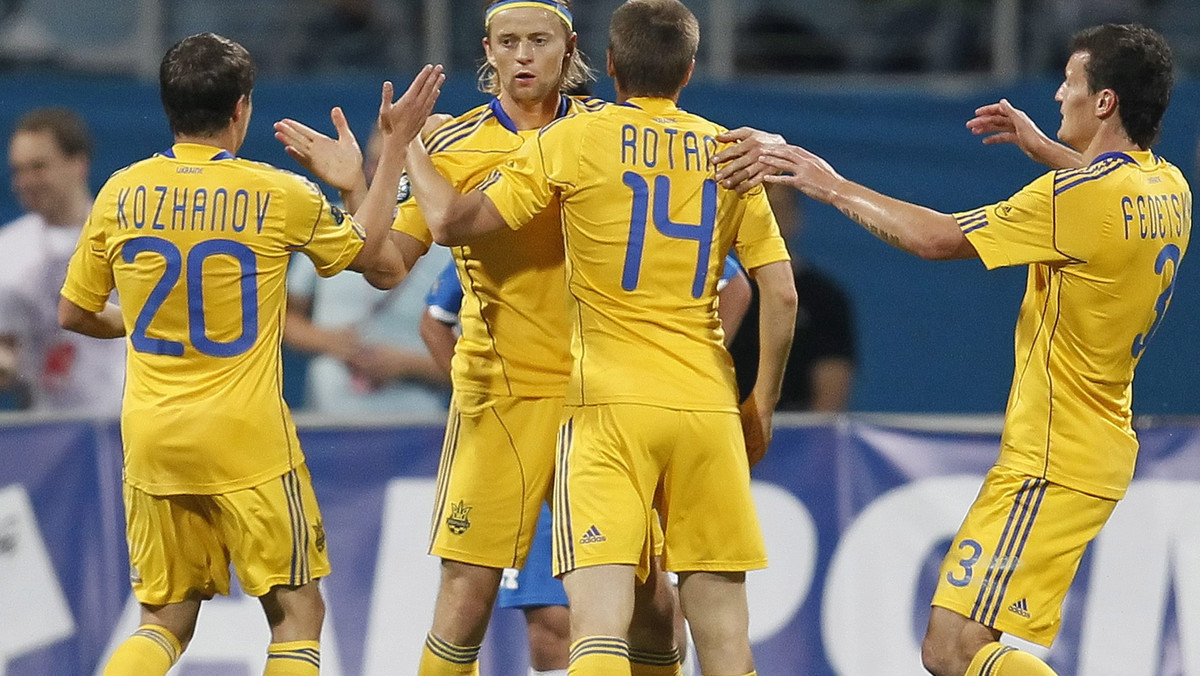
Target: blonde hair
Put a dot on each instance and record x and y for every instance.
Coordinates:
(575, 74)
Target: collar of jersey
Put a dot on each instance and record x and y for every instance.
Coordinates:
(651, 104)
(564, 105)
(1139, 158)
(196, 152)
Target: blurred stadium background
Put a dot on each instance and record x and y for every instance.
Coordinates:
(882, 88)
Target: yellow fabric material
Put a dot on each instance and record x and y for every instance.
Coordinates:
(149, 651)
(182, 545)
(515, 332)
(1013, 559)
(440, 658)
(197, 248)
(647, 230)
(997, 659)
(293, 658)
(1103, 245)
(599, 656)
(495, 474)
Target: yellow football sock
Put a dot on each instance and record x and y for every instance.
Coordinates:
(441, 658)
(150, 651)
(599, 656)
(655, 663)
(294, 658)
(997, 659)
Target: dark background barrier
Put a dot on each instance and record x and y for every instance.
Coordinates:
(934, 337)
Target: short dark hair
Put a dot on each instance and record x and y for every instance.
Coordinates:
(653, 44)
(201, 79)
(68, 129)
(1135, 62)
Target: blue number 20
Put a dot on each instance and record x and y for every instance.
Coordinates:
(701, 232)
(1170, 253)
(195, 296)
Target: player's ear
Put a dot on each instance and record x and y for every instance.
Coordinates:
(487, 52)
(1106, 104)
(608, 63)
(688, 78)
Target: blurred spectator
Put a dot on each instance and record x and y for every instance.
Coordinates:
(369, 357)
(42, 366)
(820, 369)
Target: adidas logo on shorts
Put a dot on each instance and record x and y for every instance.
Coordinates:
(1021, 608)
(592, 536)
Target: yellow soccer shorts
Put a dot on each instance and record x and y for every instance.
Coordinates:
(618, 461)
(496, 470)
(1013, 559)
(181, 546)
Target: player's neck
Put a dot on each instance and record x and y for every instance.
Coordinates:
(225, 139)
(531, 114)
(1109, 138)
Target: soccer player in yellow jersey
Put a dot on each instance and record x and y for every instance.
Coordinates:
(512, 362)
(652, 415)
(196, 242)
(1103, 238)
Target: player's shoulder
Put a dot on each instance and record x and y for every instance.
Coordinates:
(287, 180)
(453, 132)
(585, 104)
(1099, 176)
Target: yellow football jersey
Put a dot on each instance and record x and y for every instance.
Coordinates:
(196, 243)
(1103, 244)
(515, 330)
(647, 229)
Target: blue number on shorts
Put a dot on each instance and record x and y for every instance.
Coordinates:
(701, 233)
(967, 563)
(195, 296)
(1170, 253)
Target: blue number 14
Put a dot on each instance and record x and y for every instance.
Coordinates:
(701, 232)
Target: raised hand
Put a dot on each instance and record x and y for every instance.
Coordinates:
(338, 163)
(404, 118)
(1001, 122)
(738, 166)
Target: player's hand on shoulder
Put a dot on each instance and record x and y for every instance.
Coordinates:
(802, 169)
(433, 123)
(738, 165)
(336, 162)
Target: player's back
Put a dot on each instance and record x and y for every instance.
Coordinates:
(1124, 222)
(198, 243)
(647, 229)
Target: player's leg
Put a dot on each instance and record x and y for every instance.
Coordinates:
(549, 639)
(654, 649)
(601, 609)
(709, 473)
(1007, 571)
(160, 639)
(715, 605)
(176, 560)
(535, 591)
(606, 477)
(276, 539)
(496, 468)
(295, 615)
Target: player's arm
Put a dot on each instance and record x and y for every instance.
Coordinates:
(776, 325)
(399, 122)
(302, 334)
(106, 323)
(1000, 122)
(439, 338)
(735, 297)
(916, 229)
(453, 218)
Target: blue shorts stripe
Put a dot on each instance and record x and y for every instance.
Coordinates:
(1040, 490)
(449, 448)
(980, 608)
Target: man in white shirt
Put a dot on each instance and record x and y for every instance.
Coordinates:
(49, 153)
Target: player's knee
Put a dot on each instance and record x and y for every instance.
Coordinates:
(941, 657)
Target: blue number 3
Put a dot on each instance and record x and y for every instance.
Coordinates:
(968, 563)
(701, 232)
(1172, 254)
(197, 333)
